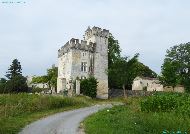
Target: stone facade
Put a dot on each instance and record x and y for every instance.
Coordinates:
(178, 88)
(80, 59)
(32, 85)
(148, 84)
(153, 84)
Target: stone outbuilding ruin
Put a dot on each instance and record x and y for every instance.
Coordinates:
(153, 84)
(147, 84)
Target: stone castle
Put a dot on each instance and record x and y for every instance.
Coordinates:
(81, 59)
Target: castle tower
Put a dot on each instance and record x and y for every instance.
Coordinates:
(100, 38)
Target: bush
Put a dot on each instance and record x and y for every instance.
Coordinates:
(89, 87)
(166, 102)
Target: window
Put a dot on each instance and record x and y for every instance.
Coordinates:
(84, 66)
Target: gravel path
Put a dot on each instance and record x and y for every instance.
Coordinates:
(62, 123)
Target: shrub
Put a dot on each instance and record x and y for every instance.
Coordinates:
(166, 102)
(89, 87)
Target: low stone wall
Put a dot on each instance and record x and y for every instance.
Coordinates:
(130, 93)
(179, 89)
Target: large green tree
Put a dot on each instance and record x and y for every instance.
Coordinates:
(124, 71)
(176, 66)
(114, 51)
(16, 82)
(115, 58)
(15, 69)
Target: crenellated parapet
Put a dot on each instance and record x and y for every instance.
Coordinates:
(96, 31)
(78, 45)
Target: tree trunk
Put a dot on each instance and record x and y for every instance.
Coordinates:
(124, 91)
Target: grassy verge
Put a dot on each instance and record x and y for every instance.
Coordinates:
(18, 110)
(129, 119)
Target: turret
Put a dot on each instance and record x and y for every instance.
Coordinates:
(96, 31)
(100, 38)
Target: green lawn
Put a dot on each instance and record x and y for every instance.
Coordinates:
(129, 119)
(18, 110)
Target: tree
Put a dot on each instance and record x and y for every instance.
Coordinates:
(2, 84)
(169, 76)
(14, 70)
(114, 50)
(114, 58)
(52, 75)
(40, 79)
(145, 71)
(50, 79)
(124, 71)
(176, 66)
(113, 54)
(16, 82)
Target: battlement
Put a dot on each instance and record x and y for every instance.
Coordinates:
(97, 32)
(78, 45)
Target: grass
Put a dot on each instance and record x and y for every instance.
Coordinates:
(18, 110)
(129, 119)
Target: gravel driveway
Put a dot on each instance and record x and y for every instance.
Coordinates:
(62, 123)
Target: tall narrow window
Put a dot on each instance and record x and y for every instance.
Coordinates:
(84, 66)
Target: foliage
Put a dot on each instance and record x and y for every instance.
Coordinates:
(50, 79)
(14, 70)
(40, 79)
(176, 66)
(169, 76)
(114, 51)
(118, 65)
(123, 71)
(89, 87)
(16, 82)
(18, 110)
(145, 71)
(52, 74)
(2, 84)
(167, 102)
(130, 120)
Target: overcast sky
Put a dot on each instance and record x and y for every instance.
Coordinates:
(33, 30)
